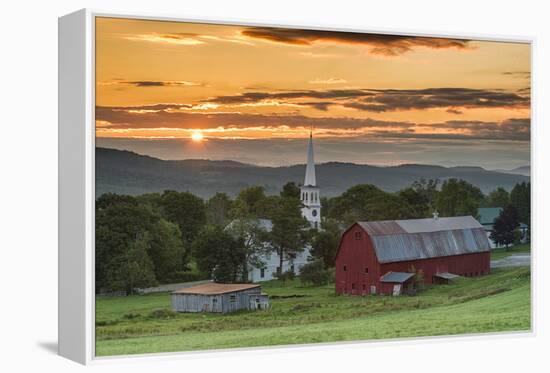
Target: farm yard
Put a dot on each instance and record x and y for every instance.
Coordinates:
(305, 314)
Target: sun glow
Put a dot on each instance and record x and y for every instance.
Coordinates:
(197, 136)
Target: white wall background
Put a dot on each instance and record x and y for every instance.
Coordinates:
(28, 205)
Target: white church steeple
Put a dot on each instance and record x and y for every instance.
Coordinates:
(309, 192)
(310, 167)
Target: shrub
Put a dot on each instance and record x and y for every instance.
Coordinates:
(315, 273)
(130, 315)
(285, 276)
(163, 313)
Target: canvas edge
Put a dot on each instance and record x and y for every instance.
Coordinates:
(75, 198)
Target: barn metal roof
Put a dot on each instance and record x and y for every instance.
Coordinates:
(402, 240)
(399, 277)
(213, 288)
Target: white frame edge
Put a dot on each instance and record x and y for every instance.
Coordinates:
(76, 187)
(76, 108)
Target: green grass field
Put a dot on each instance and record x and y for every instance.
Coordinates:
(502, 252)
(144, 324)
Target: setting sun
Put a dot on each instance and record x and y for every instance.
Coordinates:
(197, 136)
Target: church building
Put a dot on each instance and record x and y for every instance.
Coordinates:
(310, 191)
(311, 210)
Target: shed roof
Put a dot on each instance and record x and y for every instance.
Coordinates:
(402, 240)
(213, 288)
(446, 275)
(399, 277)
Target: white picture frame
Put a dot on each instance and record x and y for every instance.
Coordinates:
(76, 315)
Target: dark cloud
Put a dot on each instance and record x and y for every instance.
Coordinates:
(154, 83)
(520, 74)
(151, 116)
(383, 100)
(387, 45)
(454, 111)
(513, 129)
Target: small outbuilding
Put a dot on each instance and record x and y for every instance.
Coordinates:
(219, 298)
(396, 283)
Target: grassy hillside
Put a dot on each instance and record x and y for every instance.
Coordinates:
(143, 324)
(517, 249)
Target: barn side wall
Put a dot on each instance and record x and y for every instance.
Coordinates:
(196, 303)
(357, 255)
(467, 265)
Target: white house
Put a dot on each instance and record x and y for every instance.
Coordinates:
(311, 210)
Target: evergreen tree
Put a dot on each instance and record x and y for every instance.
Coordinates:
(505, 226)
(520, 198)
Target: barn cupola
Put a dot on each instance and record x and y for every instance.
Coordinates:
(309, 192)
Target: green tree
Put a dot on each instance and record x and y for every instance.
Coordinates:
(458, 198)
(315, 273)
(291, 190)
(427, 189)
(251, 198)
(419, 205)
(324, 243)
(250, 235)
(367, 202)
(289, 234)
(218, 254)
(131, 269)
(505, 226)
(497, 198)
(186, 210)
(520, 198)
(218, 208)
(119, 223)
(166, 250)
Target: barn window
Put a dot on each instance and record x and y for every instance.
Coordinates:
(357, 235)
(366, 270)
(352, 286)
(262, 272)
(364, 287)
(345, 268)
(232, 298)
(214, 300)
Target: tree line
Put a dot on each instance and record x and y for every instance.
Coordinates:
(176, 236)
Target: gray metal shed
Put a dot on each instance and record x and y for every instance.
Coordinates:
(219, 298)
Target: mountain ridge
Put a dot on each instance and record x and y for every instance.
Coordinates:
(126, 172)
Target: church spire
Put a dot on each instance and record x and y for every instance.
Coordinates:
(310, 167)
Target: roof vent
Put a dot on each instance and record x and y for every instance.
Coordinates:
(436, 215)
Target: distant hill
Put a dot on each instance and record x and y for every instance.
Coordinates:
(522, 170)
(126, 172)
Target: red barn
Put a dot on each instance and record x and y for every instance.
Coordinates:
(378, 257)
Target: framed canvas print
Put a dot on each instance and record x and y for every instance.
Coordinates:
(236, 185)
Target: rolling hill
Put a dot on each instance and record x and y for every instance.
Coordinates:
(125, 172)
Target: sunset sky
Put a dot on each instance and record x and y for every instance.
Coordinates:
(252, 94)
